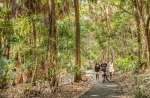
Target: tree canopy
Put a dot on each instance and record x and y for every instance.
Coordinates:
(39, 38)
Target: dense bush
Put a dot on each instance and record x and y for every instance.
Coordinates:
(6, 73)
(126, 64)
(141, 93)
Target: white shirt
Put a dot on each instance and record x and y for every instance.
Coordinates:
(111, 67)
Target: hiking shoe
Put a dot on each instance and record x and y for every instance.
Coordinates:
(103, 81)
(107, 79)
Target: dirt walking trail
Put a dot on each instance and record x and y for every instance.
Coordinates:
(107, 89)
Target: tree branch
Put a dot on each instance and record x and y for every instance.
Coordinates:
(132, 1)
(139, 11)
(148, 20)
(147, 6)
(120, 8)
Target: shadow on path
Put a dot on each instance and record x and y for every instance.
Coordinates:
(102, 90)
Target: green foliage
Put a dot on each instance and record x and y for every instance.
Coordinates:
(6, 73)
(76, 70)
(128, 64)
(141, 93)
(53, 72)
(99, 30)
(65, 29)
(22, 26)
(93, 1)
(125, 64)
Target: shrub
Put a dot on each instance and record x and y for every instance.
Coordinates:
(123, 64)
(6, 73)
(141, 93)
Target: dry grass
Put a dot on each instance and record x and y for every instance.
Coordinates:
(130, 81)
(67, 88)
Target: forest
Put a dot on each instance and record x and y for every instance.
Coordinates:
(47, 45)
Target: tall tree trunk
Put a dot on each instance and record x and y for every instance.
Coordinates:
(8, 37)
(139, 38)
(145, 24)
(147, 31)
(34, 51)
(148, 46)
(53, 49)
(31, 42)
(144, 48)
(108, 51)
(102, 55)
(0, 43)
(77, 76)
(47, 60)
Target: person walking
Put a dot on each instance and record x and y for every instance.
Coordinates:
(103, 68)
(111, 70)
(107, 69)
(97, 71)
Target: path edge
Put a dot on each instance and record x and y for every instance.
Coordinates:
(120, 86)
(81, 94)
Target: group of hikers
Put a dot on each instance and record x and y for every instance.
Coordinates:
(106, 68)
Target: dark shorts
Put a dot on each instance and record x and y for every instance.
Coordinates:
(104, 73)
(104, 70)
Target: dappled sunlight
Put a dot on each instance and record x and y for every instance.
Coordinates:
(111, 85)
(94, 95)
(74, 48)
